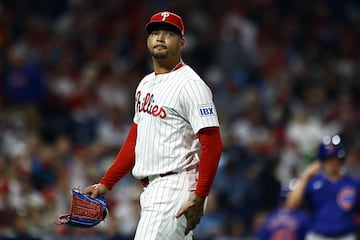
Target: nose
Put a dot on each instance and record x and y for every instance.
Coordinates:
(161, 36)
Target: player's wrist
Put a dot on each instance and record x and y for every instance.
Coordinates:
(101, 187)
(199, 199)
(105, 184)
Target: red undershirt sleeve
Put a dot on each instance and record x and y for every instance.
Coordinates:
(123, 162)
(211, 148)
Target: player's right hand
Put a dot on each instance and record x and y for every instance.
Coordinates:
(193, 211)
(96, 189)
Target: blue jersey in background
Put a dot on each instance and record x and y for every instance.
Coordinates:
(333, 204)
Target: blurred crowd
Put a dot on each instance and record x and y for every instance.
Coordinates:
(283, 74)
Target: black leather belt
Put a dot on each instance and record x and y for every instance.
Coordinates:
(145, 180)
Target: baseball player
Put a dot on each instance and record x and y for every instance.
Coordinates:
(283, 223)
(333, 195)
(175, 118)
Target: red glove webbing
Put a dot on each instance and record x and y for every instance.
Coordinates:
(211, 147)
(124, 160)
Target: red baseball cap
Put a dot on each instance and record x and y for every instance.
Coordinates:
(168, 19)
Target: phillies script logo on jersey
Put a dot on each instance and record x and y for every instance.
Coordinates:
(147, 104)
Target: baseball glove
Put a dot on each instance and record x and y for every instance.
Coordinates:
(85, 212)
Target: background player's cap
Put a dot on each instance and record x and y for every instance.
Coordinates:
(167, 19)
(331, 146)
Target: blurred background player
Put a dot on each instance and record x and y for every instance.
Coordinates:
(332, 194)
(283, 223)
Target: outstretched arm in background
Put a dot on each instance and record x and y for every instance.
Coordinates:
(295, 197)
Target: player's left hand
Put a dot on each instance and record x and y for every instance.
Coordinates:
(193, 211)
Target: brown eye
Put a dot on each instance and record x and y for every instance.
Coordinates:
(154, 33)
(170, 34)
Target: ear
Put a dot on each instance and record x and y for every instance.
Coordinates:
(182, 41)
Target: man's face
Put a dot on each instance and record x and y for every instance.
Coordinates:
(332, 165)
(163, 43)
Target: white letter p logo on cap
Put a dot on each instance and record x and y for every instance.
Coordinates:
(164, 15)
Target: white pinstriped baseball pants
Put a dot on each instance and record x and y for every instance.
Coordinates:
(160, 201)
(314, 236)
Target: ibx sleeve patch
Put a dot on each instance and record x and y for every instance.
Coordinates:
(206, 110)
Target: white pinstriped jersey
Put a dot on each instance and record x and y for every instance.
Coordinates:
(170, 109)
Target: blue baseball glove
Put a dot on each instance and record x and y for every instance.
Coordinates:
(85, 212)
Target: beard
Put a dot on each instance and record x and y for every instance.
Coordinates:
(159, 56)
